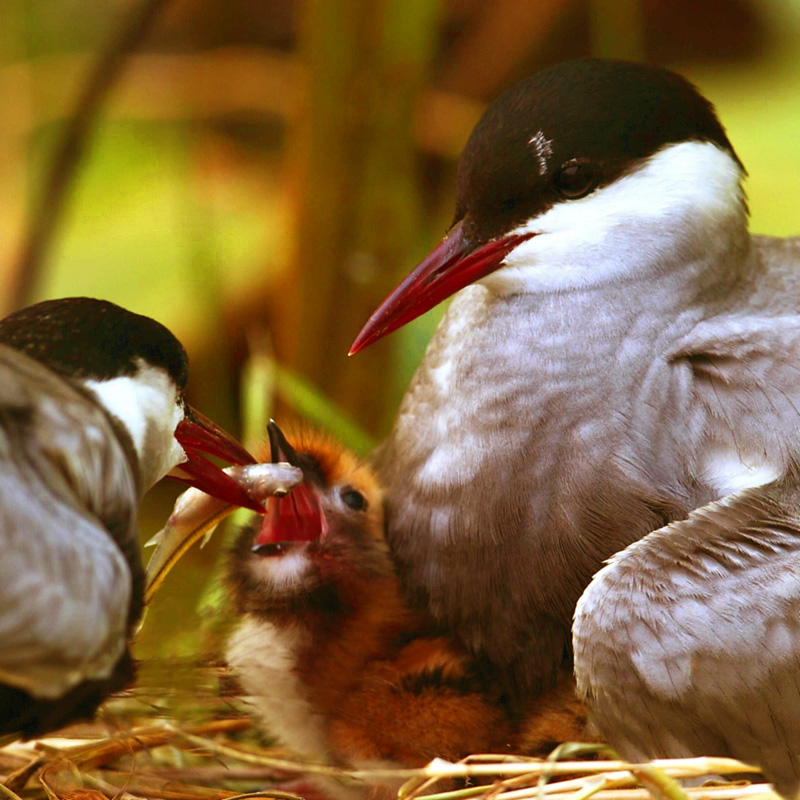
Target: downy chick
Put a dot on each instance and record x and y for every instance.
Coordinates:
(332, 658)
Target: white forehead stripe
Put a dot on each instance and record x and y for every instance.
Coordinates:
(542, 148)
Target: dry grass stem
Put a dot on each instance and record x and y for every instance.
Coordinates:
(143, 755)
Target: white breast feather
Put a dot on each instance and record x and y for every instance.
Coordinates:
(264, 658)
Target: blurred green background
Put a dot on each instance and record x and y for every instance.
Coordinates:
(262, 172)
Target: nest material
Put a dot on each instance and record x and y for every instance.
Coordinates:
(195, 745)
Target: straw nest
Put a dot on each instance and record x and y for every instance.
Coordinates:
(196, 743)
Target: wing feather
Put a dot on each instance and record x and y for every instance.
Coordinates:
(688, 641)
(68, 500)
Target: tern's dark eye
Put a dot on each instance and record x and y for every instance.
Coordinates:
(353, 498)
(575, 179)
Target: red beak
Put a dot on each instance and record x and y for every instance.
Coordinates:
(296, 517)
(197, 434)
(453, 264)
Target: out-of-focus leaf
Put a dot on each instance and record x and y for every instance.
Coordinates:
(258, 389)
(312, 405)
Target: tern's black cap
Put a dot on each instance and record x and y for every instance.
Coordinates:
(602, 116)
(87, 338)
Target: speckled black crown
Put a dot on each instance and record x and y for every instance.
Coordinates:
(87, 338)
(610, 114)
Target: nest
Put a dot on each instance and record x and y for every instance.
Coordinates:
(198, 744)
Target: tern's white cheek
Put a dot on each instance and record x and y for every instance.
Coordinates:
(146, 403)
(673, 202)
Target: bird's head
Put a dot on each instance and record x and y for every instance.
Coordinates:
(588, 172)
(325, 533)
(137, 370)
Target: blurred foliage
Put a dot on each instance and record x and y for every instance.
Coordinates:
(277, 166)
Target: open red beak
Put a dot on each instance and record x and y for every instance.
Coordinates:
(453, 264)
(197, 434)
(297, 516)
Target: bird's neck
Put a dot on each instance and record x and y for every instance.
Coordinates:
(605, 323)
(671, 276)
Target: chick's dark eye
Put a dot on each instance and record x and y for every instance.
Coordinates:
(575, 179)
(353, 498)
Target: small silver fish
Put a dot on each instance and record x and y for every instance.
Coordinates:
(197, 514)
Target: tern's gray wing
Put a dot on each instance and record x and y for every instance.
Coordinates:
(745, 362)
(67, 492)
(688, 642)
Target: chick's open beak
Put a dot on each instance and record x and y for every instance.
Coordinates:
(197, 434)
(297, 516)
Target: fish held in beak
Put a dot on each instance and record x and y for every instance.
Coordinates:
(197, 514)
(197, 434)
